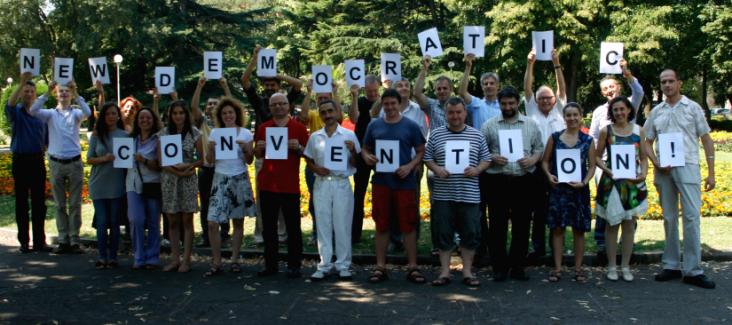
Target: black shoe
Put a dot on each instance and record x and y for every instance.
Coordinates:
(701, 281)
(75, 249)
(293, 273)
(519, 274)
(499, 276)
(667, 275)
(266, 273)
(62, 249)
(42, 248)
(24, 249)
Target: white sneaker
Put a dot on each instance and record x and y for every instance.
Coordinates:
(627, 276)
(345, 275)
(612, 273)
(317, 276)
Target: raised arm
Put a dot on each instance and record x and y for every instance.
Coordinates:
(196, 101)
(85, 110)
(100, 93)
(36, 109)
(561, 85)
(463, 90)
(295, 83)
(246, 81)
(529, 75)
(419, 85)
(376, 108)
(305, 106)
(636, 90)
(156, 102)
(225, 86)
(13, 99)
(353, 110)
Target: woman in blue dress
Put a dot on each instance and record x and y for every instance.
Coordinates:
(569, 202)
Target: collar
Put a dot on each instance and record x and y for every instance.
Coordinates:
(490, 102)
(339, 130)
(683, 101)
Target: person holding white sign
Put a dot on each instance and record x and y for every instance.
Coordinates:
(179, 184)
(204, 121)
(434, 108)
(480, 110)
(231, 193)
(456, 195)
(28, 144)
(546, 110)
(395, 191)
(331, 154)
(143, 190)
(611, 88)
(677, 113)
(359, 114)
(621, 201)
(106, 183)
(506, 185)
(278, 183)
(64, 155)
(569, 203)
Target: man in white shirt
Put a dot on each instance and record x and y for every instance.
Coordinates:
(546, 110)
(64, 159)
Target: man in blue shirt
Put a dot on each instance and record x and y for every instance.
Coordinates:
(29, 171)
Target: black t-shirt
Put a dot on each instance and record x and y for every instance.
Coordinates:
(260, 104)
(364, 117)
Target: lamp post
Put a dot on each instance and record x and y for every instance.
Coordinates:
(117, 60)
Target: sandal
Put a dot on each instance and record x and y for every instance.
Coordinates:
(554, 276)
(378, 275)
(100, 265)
(580, 276)
(184, 268)
(441, 281)
(235, 268)
(214, 270)
(415, 276)
(171, 267)
(471, 281)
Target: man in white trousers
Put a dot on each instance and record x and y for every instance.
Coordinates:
(336, 147)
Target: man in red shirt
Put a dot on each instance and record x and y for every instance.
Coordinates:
(279, 187)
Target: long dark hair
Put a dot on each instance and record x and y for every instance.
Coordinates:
(136, 122)
(187, 125)
(101, 126)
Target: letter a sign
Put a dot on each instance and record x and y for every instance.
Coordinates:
(429, 42)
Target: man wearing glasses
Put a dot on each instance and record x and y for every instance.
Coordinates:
(546, 110)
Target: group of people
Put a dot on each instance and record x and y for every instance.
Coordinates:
(470, 208)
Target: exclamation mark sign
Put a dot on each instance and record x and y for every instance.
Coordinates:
(673, 151)
(510, 145)
(543, 46)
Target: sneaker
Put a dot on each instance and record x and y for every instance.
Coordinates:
(317, 276)
(668, 275)
(701, 281)
(612, 273)
(627, 276)
(345, 275)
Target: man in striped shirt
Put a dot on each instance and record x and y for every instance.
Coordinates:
(456, 195)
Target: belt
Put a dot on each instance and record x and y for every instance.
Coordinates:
(64, 161)
(332, 178)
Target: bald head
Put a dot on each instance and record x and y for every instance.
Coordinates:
(279, 106)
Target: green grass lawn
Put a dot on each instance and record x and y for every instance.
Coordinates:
(716, 232)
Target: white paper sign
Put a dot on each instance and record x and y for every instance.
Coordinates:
(267, 63)
(623, 161)
(165, 80)
(474, 40)
(511, 143)
(429, 42)
(99, 70)
(387, 152)
(610, 55)
(569, 163)
(457, 156)
(276, 140)
(30, 61)
(355, 73)
(336, 154)
(171, 150)
(225, 139)
(322, 79)
(543, 44)
(213, 65)
(63, 70)
(124, 152)
(391, 67)
(671, 149)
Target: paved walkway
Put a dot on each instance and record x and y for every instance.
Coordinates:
(44, 288)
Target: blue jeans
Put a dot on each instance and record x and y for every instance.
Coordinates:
(107, 211)
(144, 214)
(310, 180)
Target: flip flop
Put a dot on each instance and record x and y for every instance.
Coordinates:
(441, 281)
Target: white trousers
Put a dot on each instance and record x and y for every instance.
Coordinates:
(684, 183)
(333, 201)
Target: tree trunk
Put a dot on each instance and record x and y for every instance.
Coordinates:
(704, 85)
(571, 79)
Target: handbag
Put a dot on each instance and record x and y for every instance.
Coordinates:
(149, 190)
